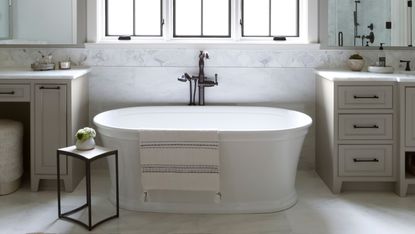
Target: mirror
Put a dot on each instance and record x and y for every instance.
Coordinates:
(370, 22)
(4, 19)
(39, 21)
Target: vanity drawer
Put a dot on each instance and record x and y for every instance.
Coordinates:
(365, 160)
(364, 127)
(367, 97)
(14, 93)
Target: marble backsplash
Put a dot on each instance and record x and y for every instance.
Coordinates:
(269, 58)
(272, 77)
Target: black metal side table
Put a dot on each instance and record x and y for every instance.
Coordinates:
(88, 157)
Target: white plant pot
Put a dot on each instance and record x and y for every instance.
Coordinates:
(356, 64)
(88, 144)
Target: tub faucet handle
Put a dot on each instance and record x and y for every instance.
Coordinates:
(185, 77)
(182, 78)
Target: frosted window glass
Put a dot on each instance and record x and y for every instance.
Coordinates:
(148, 17)
(215, 17)
(256, 18)
(284, 17)
(120, 17)
(188, 17)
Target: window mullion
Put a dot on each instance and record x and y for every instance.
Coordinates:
(134, 18)
(161, 18)
(269, 18)
(241, 21)
(201, 15)
(106, 18)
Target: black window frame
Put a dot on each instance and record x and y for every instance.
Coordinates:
(241, 22)
(204, 36)
(134, 31)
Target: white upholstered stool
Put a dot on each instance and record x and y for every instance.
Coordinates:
(11, 155)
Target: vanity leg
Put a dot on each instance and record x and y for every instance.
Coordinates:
(402, 189)
(34, 184)
(337, 187)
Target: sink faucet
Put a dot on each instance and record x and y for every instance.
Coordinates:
(200, 81)
(408, 64)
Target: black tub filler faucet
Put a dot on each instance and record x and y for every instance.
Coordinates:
(200, 81)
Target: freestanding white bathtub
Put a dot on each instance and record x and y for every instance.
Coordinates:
(259, 153)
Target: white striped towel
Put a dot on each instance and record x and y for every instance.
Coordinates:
(179, 160)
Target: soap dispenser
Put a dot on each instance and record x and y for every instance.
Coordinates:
(380, 66)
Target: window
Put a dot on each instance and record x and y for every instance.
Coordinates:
(134, 18)
(270, 18)
(202, 18)
(230, 20)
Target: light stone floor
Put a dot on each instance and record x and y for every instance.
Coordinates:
(318, 211)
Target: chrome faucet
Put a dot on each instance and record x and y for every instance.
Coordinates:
(200, 81)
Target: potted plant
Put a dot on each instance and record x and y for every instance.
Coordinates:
(356, 62)
(85, 139)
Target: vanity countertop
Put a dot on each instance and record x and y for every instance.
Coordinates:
(347, 75)
(27, 73)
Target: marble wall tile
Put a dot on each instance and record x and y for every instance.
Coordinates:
(272, 58)
(273, 77)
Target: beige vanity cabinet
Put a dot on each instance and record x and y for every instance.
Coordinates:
(410, 116)
(50, 127)
(356, 139)
(60, 109)
(407, 135)
(57, 107)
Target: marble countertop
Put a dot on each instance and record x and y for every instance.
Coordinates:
(347, 75)
(27, 73)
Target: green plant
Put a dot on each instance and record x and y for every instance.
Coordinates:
(356, 56)
(85, 133)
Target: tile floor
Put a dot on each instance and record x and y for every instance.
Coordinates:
(318, 211)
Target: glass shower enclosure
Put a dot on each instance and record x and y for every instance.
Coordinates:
(5, 19)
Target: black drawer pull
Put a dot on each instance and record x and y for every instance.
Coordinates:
(8, 93)
(366, 97)
(57, 87)
(363, 126)
(356, 160)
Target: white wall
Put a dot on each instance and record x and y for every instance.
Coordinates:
(266, 77)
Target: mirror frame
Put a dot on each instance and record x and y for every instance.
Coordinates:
(324, 35)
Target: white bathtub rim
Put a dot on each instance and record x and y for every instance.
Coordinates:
(243, 134)
(307, 119)
(224, 136)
